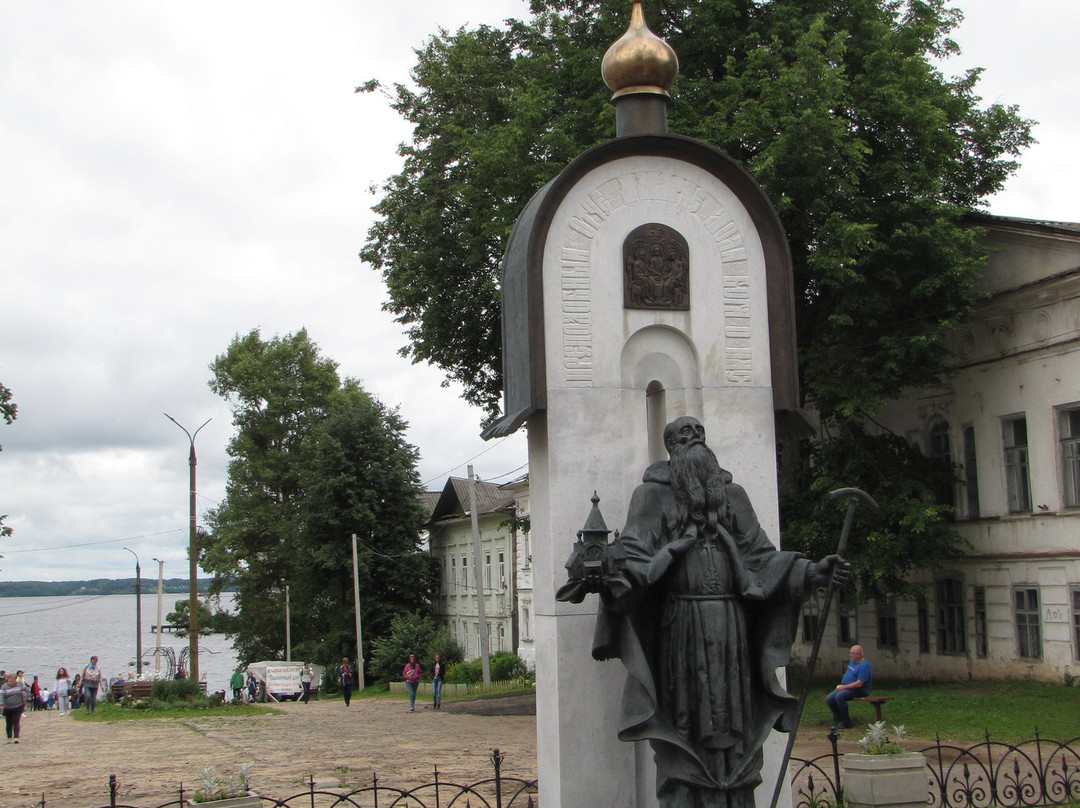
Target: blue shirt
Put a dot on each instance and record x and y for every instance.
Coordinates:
(858, 671)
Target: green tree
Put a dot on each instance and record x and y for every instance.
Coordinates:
(869, 153)
(411, 634)
(210, 621)
(8, 411)
(314, 460)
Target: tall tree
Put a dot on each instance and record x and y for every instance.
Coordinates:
(314, 460)
(869, 153)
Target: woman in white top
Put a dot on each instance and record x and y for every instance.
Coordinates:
(61, 689)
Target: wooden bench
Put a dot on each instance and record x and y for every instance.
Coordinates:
(876, 701)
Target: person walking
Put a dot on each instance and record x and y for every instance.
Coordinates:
(345, 679)
(35, 696)
(253, 688)
(412, 672)
(854, 684)
(306, 675)
(438, 670)
(13, 698)
(62, 688)
(91, 681)
(236, 683)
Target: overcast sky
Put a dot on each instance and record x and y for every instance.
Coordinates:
(174, 174)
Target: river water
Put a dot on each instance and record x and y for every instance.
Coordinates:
(39, 635)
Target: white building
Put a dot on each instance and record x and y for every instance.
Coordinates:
(1009, 418)
(464, 576)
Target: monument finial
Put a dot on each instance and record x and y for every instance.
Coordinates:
(639, 61)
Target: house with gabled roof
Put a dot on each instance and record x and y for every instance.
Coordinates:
(463, 577)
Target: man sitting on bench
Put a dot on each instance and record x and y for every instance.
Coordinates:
(854, 684)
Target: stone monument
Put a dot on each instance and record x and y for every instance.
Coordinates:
(650, 280)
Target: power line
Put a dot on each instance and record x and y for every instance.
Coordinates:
(53, 608)
(89, 543)
(470, 460)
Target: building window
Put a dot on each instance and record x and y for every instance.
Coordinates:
(526, 552)
(1017, 477)
(847, 629)
(464, 573)
(487, 572)
(1028, 639)
(453, 575)
(502, 570)
(525, 635)
(971, 475)
(949, 597)
(811, 619)
(502, 637)
(1075, 593)
(888, 633)
(982, 648)
(1070, 456)
(922, 618)
(938, 446)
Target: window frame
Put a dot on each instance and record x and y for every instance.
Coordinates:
(1069, 453)
(888, 627)
(939, 447)
(1031, 624)
(950, 608)
(982, 639)
(847, 618)
(1017, 459)
(971, 472)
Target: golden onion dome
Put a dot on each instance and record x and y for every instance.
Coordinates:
(639, 61)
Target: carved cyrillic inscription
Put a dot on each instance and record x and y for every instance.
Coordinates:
(576, 316)
(656, 269)
(652, 280)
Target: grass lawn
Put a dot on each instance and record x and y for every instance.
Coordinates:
(109, 711)
(960, 711)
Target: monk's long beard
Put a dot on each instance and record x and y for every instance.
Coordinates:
(698, 485)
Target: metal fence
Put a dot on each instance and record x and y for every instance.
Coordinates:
(1036, 772)
(989, 774)
(495, 792)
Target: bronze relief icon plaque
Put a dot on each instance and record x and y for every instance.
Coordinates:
(656, 269)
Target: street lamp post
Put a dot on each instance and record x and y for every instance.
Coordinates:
(138, 614)
(193, 555)
(157, 651)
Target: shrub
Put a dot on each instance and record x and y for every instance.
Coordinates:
(410, 634)
(504, 665)
(175, 690)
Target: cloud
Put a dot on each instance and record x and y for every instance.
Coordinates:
(175, 174)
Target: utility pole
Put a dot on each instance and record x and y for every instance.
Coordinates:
(288, 628)
(356, 602)
(157, 652)
(138, 614)
(193, 555)
(481, 594)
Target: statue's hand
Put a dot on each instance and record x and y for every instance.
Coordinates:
(830, 567)
(680, 546)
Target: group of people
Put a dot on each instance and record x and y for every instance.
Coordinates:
(411, 673)
(67, 693)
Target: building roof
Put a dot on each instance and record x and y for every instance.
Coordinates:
(453, 501)
(1017, 223)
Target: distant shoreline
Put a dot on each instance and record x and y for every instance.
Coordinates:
(97, 586)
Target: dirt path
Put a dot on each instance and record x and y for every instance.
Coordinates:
(70, 761)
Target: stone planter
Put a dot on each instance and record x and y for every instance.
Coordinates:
(250, 801)
(896, 781)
